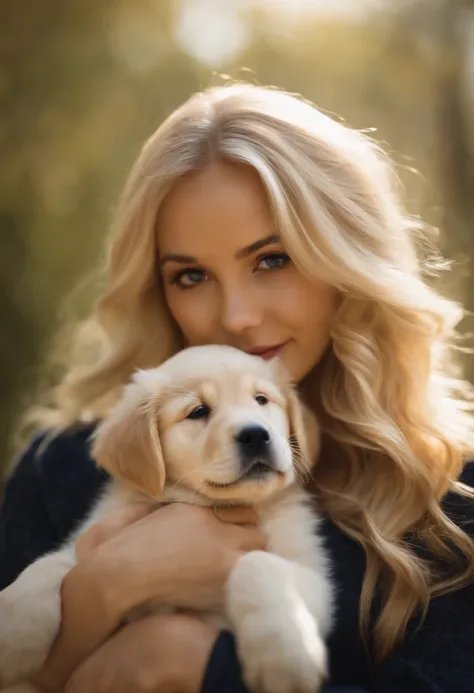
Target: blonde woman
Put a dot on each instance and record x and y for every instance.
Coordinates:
(252, 219)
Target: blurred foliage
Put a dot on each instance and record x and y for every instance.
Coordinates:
(83, 83)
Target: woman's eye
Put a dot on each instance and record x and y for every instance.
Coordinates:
(186, 278)
(200, 412)
(273, 261)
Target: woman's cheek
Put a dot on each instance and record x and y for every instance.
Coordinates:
(287, 294)
(193, 317)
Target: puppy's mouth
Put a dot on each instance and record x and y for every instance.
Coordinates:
(259, 471)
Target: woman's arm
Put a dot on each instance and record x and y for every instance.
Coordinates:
(167, 654)
(179, 555)
(162, 653)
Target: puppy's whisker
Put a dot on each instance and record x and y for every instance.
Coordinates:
(302, 468)
(186, 476)
(303, 473)
(295, 449)
(299, 460)
(200, 468)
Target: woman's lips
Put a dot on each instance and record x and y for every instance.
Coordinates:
(267, 352)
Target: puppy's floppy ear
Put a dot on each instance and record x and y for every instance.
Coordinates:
(304, 428)
(127, 443)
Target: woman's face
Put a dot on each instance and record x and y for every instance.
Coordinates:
(227, 277)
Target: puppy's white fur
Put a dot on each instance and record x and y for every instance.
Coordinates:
(278, 602)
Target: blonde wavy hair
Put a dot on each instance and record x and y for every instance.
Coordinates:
(397, 418)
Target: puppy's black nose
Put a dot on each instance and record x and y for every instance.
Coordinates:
(253, 441)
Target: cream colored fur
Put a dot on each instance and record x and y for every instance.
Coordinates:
(278, 602)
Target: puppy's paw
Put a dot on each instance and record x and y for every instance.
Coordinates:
(282, 654)
(30, 617)
(27, 631)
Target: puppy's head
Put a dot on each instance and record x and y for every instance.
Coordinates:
(212, 419)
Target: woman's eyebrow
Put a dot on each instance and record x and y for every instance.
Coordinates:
(171, 257)
(253, 247)
(243, 252)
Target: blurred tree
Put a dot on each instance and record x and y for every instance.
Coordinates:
(445, 29)
(455, 124)
(81, 85)
(456, 142)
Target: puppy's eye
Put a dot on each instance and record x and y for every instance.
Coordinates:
(261, 399)
(200, 412)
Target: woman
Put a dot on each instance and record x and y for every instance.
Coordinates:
(251, 219)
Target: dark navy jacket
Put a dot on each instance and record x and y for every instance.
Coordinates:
(51, 490)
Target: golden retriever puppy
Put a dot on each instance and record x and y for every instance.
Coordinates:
(214, 426)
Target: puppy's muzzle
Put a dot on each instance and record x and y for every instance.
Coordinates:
(255, 451)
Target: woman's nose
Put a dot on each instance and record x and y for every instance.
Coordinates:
(240, 312)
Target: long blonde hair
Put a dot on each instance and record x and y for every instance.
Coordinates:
(397, 416)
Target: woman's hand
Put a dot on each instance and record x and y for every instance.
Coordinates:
(158, 654)
(179, 554)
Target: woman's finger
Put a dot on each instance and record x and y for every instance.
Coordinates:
(237, 515)
(252, 539)
(107, 528)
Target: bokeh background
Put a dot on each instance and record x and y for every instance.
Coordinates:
(84, 82)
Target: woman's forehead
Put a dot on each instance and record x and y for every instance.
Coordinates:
(224, 207)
